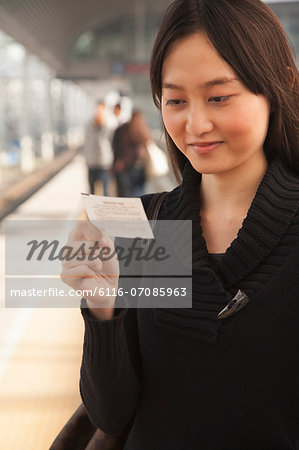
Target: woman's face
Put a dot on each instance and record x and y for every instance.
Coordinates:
(208, 112)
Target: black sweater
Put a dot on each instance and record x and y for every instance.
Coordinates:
(196, 382)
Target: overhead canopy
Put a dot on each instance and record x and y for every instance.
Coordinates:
(100, 39)
(66, 34)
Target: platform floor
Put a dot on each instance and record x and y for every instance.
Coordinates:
(40, 349)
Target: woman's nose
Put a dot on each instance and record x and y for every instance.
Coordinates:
(198, 122)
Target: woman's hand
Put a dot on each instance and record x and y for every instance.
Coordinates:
(95, 269)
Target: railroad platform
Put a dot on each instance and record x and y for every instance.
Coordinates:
(40, 349)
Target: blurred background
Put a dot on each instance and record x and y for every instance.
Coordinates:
(57, 60)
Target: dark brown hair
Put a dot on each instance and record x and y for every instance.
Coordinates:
(250, 38)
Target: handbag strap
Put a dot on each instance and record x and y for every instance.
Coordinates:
(155, 205)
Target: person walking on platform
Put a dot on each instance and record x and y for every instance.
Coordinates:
(222, 374)
(115, 118)
(130, 155)
(98, 151)
(117, 115)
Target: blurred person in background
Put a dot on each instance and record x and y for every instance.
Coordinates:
(117, 113)
(115, 119)
(129, 145)
(97, 150)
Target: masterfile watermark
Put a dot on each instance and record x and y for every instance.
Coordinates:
(155, 272)
(139, 250)
(100, 291)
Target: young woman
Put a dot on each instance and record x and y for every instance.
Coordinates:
(223, 375)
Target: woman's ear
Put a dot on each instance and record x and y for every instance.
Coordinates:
(292, 75)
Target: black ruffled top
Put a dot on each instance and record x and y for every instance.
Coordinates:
(266, 238)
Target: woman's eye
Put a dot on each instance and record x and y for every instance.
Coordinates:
(220, 99)
(174, 102)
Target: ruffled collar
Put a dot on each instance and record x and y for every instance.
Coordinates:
(272, 210)
(268, 219)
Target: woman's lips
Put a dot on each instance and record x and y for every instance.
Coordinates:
(205, 147)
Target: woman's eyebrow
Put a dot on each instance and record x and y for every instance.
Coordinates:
(172, 86)
(218, 81)
(215, 82)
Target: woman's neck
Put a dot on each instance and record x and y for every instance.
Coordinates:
(225, 199)
(231, 193)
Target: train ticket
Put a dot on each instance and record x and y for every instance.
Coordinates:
(118, 216)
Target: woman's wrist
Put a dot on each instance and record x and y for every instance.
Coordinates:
(102, 312)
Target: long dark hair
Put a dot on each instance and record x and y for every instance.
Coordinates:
(250, 38)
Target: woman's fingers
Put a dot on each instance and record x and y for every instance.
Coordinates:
(86, 231)
(91, 254)
(71, 275)
(95, 264)
(89, 262)
(83, 251)
(74, 275)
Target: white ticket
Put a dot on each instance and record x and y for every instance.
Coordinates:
(118, 216)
